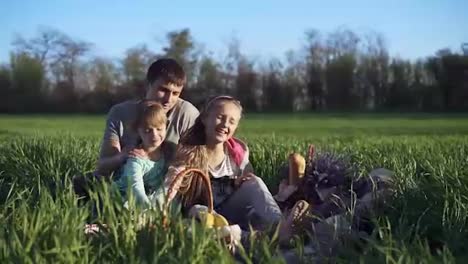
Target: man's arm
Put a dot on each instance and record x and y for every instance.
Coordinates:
(111, 156)
(189, 115)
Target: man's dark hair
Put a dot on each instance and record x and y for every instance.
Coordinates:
(168, 70)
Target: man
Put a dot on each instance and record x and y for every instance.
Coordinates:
(165, 81)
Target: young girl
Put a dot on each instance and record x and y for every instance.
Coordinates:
(240, 196)
(143, 177)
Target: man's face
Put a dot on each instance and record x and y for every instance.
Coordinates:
(164, 93)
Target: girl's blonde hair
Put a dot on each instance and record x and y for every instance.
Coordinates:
(149, 113)
(191, 153)
(196, 134)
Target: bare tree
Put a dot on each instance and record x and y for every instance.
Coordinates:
(373, 71)
(103, 75)
(316, 61)
(182, 47)
(65, 61)
(136, 62)
(43, 46)
(56, 51)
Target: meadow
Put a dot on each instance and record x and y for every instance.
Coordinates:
(426, 222)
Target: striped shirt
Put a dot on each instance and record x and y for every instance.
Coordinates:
(225, 169)
(222, 179)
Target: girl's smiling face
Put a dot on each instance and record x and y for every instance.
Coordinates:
(152, 136)
(221, 121)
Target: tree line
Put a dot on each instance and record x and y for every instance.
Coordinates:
(337, 71)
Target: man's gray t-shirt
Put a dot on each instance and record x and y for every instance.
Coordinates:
(122, 116)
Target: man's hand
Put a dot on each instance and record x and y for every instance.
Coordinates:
(113, 162)
(137, 153)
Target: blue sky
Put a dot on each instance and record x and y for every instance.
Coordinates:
(413, 28)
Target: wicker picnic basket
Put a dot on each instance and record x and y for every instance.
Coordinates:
(211, 219)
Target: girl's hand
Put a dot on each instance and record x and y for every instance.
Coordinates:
(245, 177)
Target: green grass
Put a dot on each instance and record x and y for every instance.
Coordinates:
(41, 221)
(298, 125)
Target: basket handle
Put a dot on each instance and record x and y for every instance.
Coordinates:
(173, 188)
